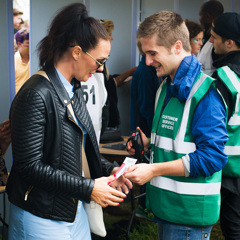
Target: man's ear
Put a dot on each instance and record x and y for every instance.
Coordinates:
(178, 47)
(229, 43)
(76, 52)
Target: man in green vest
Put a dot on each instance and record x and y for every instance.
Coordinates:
(225, 37)
(187, 138)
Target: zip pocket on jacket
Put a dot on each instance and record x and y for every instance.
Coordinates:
(27, 193)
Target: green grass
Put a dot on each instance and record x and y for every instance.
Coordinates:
(216, 233)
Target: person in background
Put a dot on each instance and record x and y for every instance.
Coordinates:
(15, 46)
(144, 85)
(26, 24)
(112, 82)
(195, 36)
(5, 137)
(17, 19)
(108, 25)
(21, 58)
(225, 37)
(5, 140)
(101, 95)
(95, 96)
(208, 12)
(187, 138)
(53, 139)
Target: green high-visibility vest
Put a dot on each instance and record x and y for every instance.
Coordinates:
(181, 200)
(232, 147)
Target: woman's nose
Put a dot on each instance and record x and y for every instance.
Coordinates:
(101, 68)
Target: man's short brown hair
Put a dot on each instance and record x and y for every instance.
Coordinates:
(169, 27)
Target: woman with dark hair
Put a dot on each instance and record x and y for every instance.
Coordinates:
(52, 135)
(195, 36)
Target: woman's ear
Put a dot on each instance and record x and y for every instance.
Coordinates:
(76, 52)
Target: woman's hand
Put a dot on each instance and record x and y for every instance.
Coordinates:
(122, 184)
(105, 195)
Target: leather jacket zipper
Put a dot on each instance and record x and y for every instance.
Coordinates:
(82, 143)
(27, 193)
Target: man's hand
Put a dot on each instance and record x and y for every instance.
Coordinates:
(145, 140)
(140, 173)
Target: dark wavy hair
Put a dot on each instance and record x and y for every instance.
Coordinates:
(71, 26)
(194, 28)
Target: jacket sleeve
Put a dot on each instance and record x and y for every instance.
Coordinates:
(107, 166)
(28, 126)
(210, 135)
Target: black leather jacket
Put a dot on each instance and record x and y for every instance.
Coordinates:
(46, 176)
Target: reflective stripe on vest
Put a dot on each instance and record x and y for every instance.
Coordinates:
(186, 187)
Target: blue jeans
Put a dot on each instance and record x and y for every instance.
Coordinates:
(168, 231)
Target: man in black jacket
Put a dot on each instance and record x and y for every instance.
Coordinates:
(225, 37)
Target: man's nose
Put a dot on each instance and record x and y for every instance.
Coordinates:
(148, 60)
(211, 39)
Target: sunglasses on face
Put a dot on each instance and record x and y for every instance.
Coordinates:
(99, 63)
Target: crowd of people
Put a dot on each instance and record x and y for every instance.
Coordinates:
(184, 101)
(21, 48)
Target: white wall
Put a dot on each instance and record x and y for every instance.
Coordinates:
(119, 11)
(41, 14)
(153, 6)
(189, 9)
